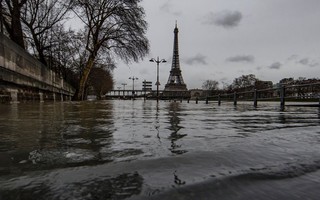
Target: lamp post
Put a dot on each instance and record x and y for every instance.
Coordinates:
(119, 88)
(133, 79)
(124, 89)
(158, 62)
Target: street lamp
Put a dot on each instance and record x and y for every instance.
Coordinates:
(124, 86)
(158, 62)
(133, 79)
(124, 89)
(119, 88)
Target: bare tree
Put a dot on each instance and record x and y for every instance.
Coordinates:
(63, 54)
(210, 85)
(39, 18)
(244, 82)
(113, 28)
(10, 17)
(101, 81)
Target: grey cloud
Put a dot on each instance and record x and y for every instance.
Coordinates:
(167, 7)
(308, 62)
(198, 59)
(275, 65)
(293, 57)
(304, 61)
(227, 19)
(241, 58)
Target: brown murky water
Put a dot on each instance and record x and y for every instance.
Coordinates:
(171, 150)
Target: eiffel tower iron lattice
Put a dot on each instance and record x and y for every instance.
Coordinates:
(175, 87)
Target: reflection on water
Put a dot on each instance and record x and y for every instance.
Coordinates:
(56, 135)
(157, 122)
(174, 120)
(177, 180)
(36, 136)
(121, 149)
(118, 187)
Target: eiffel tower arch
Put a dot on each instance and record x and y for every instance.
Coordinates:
(175, 87)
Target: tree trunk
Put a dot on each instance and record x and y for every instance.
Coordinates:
(84, 78)
(16, 33)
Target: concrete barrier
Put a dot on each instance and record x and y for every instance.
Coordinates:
(24, 78)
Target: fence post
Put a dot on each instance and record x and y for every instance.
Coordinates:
(282, 96)
(255, 98)
(235, 98)
(207, 100)
(219, 99)
(197, 100)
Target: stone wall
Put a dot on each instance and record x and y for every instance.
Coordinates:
(23, 77)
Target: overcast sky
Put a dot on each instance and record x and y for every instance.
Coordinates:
(224, 39)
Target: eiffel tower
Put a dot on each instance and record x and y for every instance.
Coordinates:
(175, 87)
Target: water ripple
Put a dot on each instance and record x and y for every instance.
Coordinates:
(122, 149)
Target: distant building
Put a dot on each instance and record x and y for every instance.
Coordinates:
(194, 93)
(301, 88)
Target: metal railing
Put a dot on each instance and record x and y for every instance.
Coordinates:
(283, 93)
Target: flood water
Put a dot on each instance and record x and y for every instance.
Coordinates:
(171, 150)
